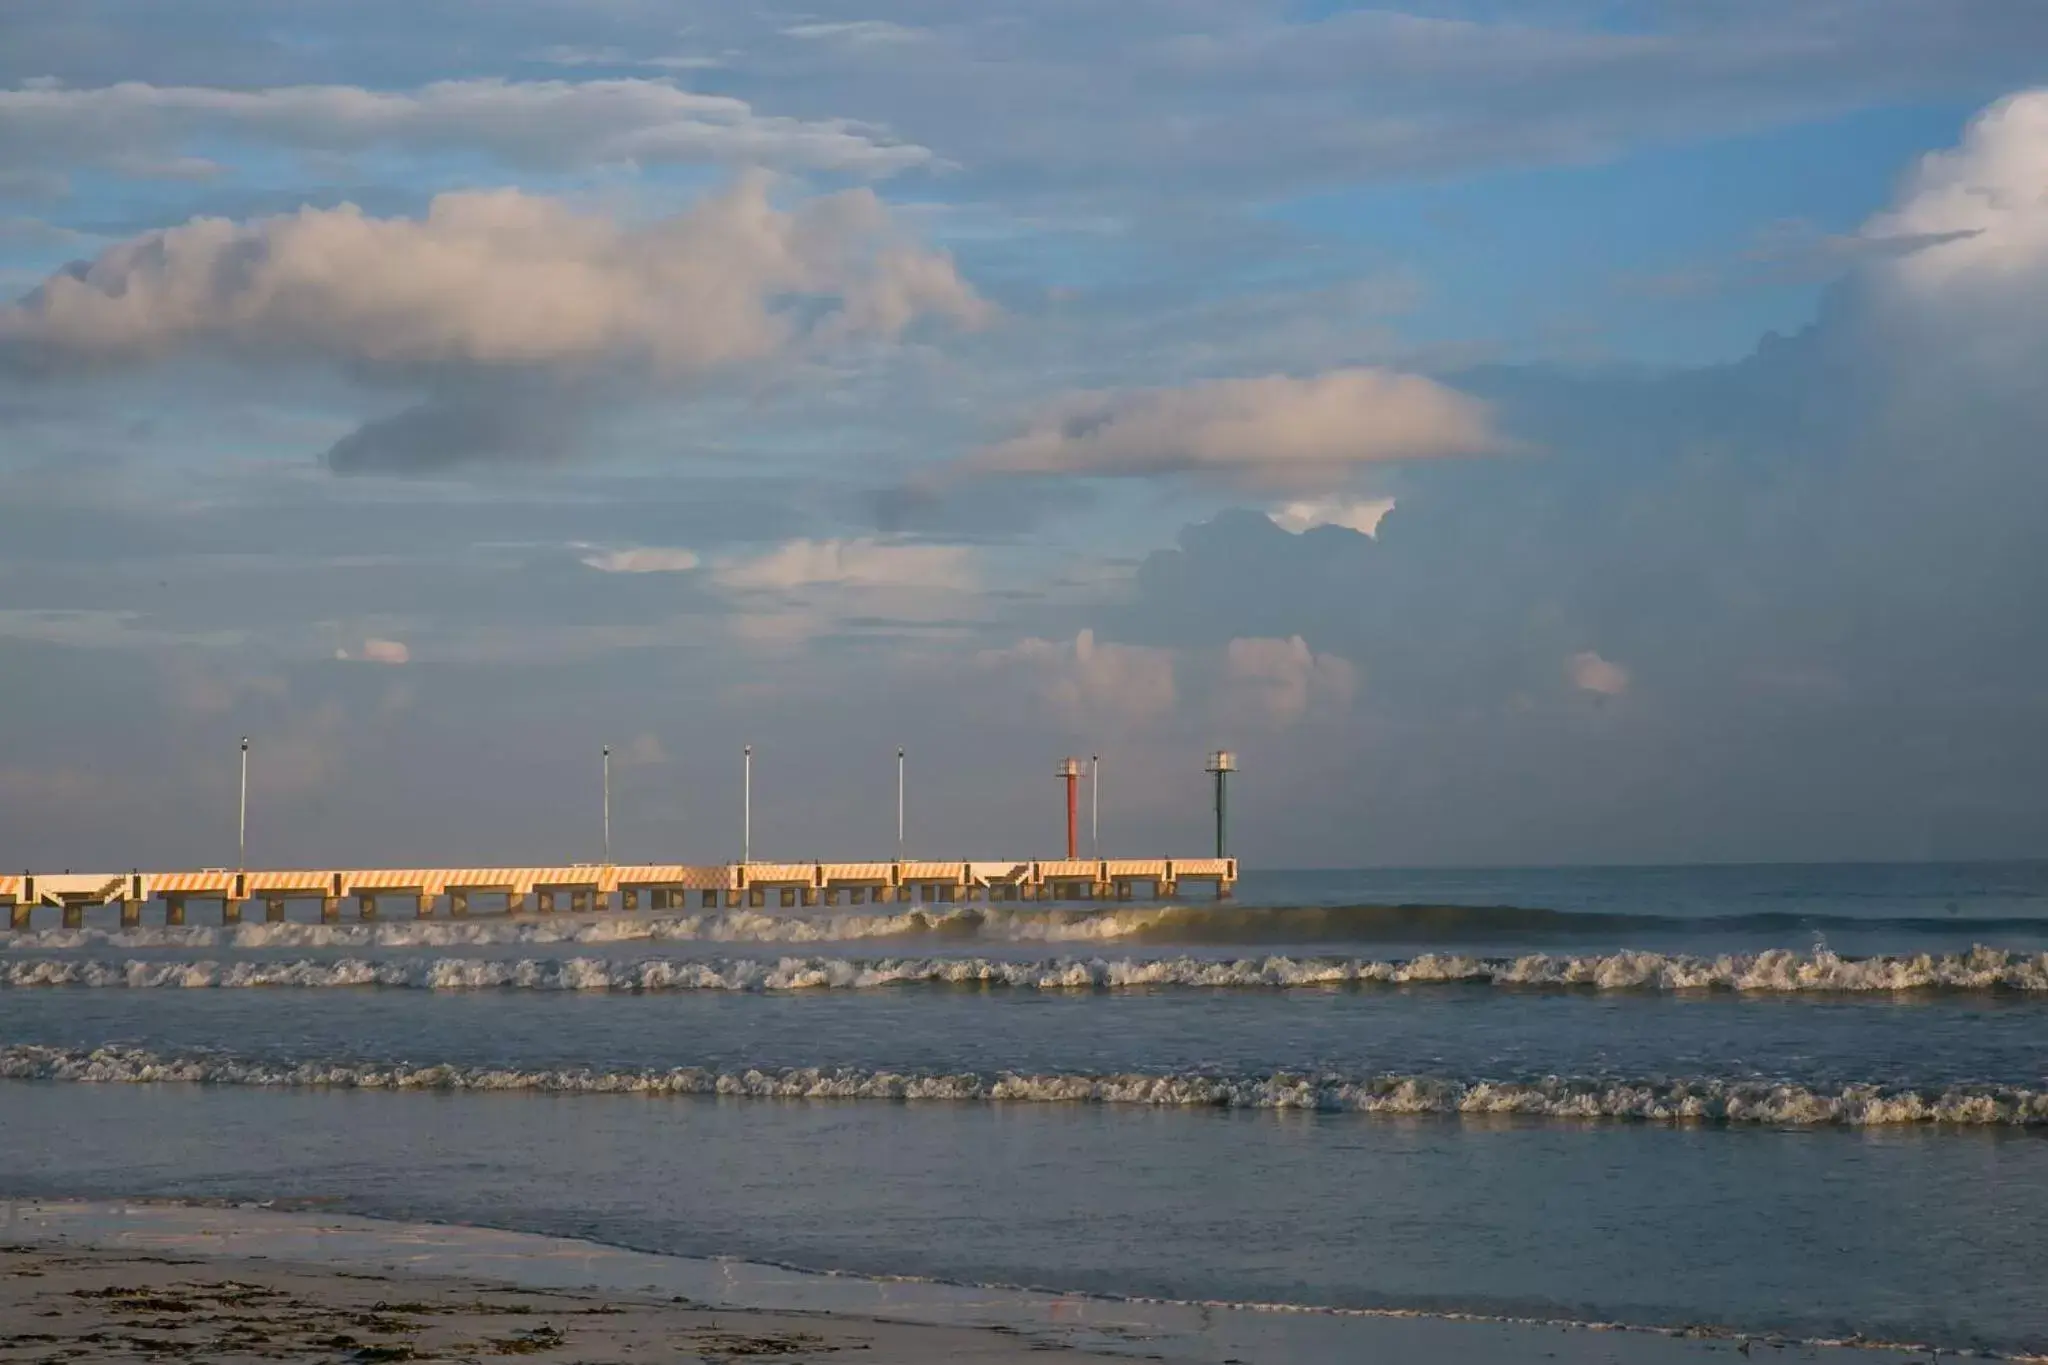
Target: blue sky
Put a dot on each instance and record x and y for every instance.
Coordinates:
(1544, 433)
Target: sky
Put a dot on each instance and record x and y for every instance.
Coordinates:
(1559, 432)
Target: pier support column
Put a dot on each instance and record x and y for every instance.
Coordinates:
(544, 902)
(426, 906)
(1225, 890)
(732, 900)
(831, 895)
(330, 909)
(810, 895)
(273, 909)
(515, 902)
(131, 914)
(74, 917)
(174, 910)
(757, 896)
(230, 910)
(629, 899)
(17, 916)
(1125, 890)
(1165, 891)
(366, 906)
(458, 904)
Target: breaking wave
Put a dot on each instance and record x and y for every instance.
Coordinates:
(1188, 924)
(1582, 1098)
(1981, 969)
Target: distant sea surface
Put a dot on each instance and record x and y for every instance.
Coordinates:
(1803, 1100)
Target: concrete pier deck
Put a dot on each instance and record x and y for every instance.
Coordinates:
(587, 887)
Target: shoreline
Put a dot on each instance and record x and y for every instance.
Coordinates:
(78, 1276)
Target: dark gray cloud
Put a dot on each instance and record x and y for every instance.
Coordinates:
(499, 425)
(1813, 582)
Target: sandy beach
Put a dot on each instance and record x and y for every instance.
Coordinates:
(97, 1305)
(160, 1280)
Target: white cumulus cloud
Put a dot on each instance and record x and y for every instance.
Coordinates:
(1591, 673)
(1281, 681)
(1972, 292)
(1362, 515)
(1274, 430)
(1088, 683)
(499, 278)
(785, 596)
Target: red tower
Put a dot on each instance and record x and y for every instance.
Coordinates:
(1070, 768)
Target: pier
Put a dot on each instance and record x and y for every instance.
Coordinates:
(583, 888)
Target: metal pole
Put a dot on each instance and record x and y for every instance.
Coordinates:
(1095, 804)
(607, 805)
(242, 837)
(1222, 809)
(747, 827)
(1222, 763)
(899, 805)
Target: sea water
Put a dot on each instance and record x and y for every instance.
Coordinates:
(1810, 1101)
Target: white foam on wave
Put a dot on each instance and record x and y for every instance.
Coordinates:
(1018, 924)
(729, 926)
(1777, 971)
(1710, 1100)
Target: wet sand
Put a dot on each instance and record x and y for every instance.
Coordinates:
(87, 1305)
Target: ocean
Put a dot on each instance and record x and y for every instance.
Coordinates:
(1802, 1102)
